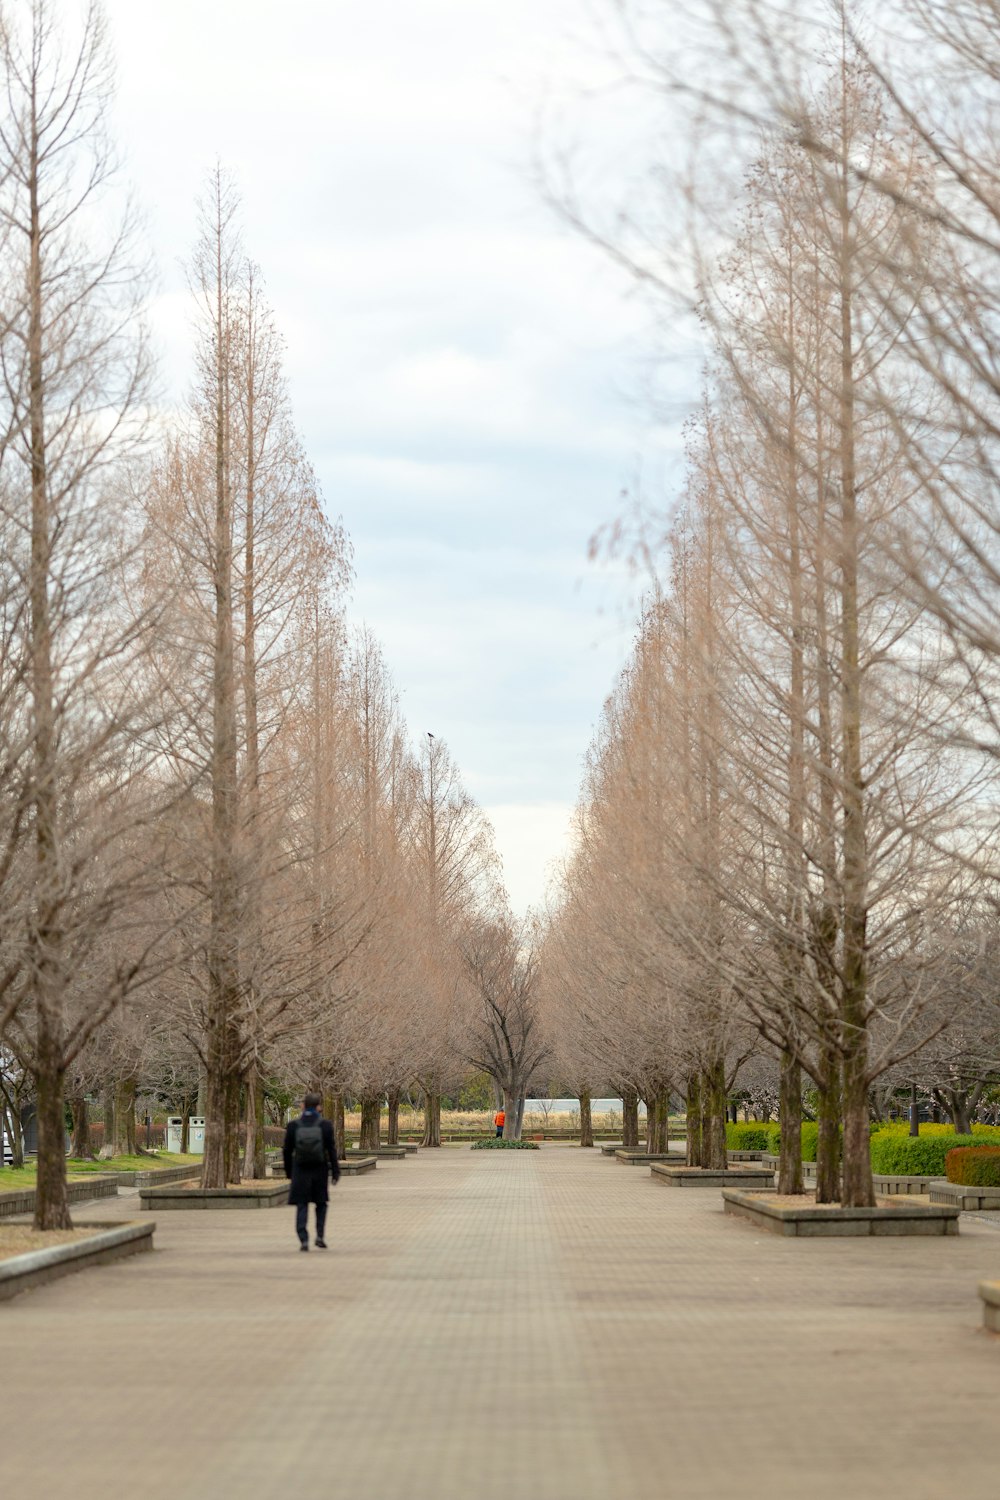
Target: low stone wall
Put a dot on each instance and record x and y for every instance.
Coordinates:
(967, 1199)
(747, 1178)
(22, 1200)
(885, 1187)
(112, 1242)
(989, 1292)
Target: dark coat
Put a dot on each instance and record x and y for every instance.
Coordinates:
(309, 1184)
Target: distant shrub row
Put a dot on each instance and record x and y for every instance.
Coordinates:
(973, 1166)
(895, 1153)
(494, 1145)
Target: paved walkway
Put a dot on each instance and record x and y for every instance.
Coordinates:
(540, 1326)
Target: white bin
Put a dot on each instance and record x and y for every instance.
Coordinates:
(175, 1132)
(196, 1135)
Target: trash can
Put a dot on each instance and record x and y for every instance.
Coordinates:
(196, 1135)
(175, 1133)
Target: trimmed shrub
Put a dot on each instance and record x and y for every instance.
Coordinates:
(501, 1145)
(973, 1166)
(895, 1153)
(810, 1137)
(748, 1137)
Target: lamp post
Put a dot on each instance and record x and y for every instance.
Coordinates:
(914, 1117)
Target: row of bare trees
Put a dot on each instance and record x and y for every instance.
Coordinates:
(787, 836)
(221, 862)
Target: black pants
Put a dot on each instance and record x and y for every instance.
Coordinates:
(302, 1221)
(499, 1131)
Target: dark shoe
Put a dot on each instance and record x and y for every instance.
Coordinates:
(321, 1244)
(304, 1245)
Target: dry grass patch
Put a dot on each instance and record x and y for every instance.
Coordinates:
(899, 1201)
(21, 1239)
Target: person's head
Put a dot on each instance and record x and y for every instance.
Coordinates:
(311, 1101)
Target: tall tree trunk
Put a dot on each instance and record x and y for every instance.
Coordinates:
(81, 1148)
(513, 1108)
(254, 1165)
(392, 1124)
(46, 940)
(858, 1191)
(125, 1093)
(718, 1159)
(692, 1122)
(661, 1122)
(221, 1161)
(828, 1138)
(333, 1110)
(371, 1122)
(12, 1125)
(51, 1204)
(705, 1131)
(586, 1120)
(432, 1120)
(790, 1110)
(858, 1187)
(630, 1119)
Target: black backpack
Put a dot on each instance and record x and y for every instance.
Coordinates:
(309, 1149)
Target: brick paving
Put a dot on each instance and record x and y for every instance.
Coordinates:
(531, 1326)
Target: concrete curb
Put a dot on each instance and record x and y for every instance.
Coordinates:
(114, 1242)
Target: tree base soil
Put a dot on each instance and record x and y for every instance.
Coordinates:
(796, 1214)
(22, 1239)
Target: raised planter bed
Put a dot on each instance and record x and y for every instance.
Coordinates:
(892, 1216)
(989, 1292)
(702, 1177)
(155, 1177)
(22, 1200)
(353, 1165)
(643, 1158)
(745, 1155)
(967, 1198)
(108, 1242)
(390, 1153)
(247, 1195)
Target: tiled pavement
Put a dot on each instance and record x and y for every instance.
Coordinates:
(538, 1326)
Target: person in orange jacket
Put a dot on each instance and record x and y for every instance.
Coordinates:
(498, 1120)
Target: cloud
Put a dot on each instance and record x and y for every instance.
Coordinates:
(463, 371)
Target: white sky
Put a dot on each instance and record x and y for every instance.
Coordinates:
(460, 365)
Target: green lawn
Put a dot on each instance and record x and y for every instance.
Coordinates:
(9, 1178)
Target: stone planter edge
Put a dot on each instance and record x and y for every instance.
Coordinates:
(989, 1293)
(114, 1242)
(916, 1219)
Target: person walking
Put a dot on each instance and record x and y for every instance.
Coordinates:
(498, 1120)
(310, 1153)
